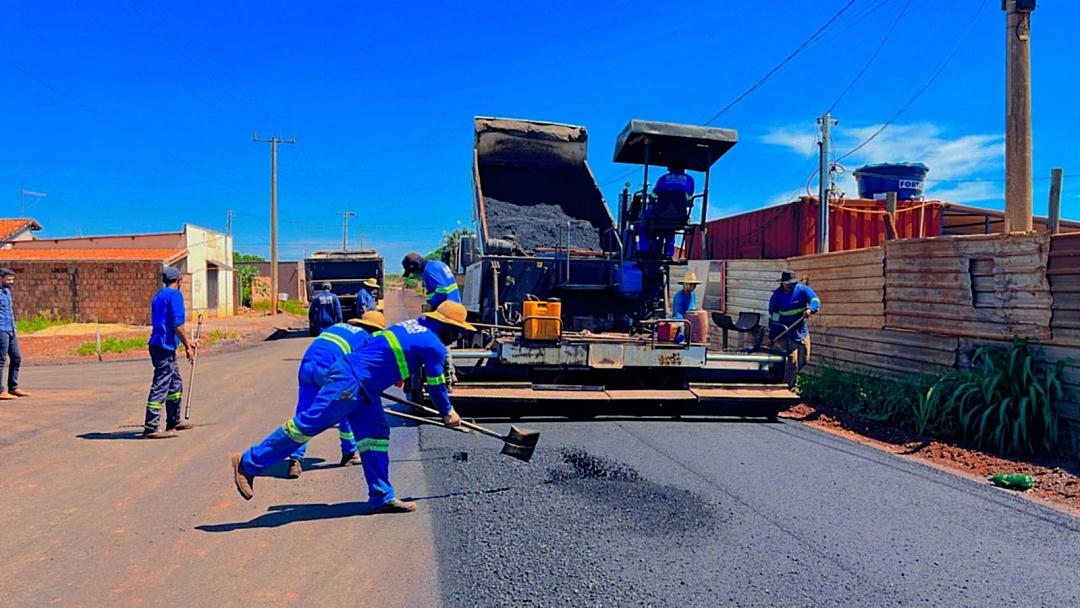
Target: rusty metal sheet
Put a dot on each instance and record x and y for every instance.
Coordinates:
(648, 356)
(525, 394)
(744, 392)
(652, 395)
(606, 356)
(556, 354)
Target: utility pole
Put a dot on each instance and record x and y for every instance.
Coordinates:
(1018, 172)
(22, 198)
(825, 185)
(273, 141)
(362, 237)
(228, 223)
(345, 215)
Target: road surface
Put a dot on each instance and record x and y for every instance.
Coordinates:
(608, 513)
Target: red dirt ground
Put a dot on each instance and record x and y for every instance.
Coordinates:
(1056, 482)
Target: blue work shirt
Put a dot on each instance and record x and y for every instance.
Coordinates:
(440, 284)
(683, 302)
(7, 310)
(166, 314)
(328, 348)
(788, 308)
(398, 352)
(325, 310)
(365, 301)
(680, 182)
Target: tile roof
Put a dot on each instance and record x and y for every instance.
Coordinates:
(165, 255)
(9, 228)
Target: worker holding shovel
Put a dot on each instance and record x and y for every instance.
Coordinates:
(353, 390)
(789, 307)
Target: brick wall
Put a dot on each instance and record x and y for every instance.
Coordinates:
(90, 291)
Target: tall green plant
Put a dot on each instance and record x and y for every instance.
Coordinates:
(1006, 402)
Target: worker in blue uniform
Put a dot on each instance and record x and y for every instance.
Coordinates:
(789, 307)
(439, 282)
(365, 298)
(675, 180)
(332, 344)
(353, 390)
(325, 310)
(167, 316)
(684, 301)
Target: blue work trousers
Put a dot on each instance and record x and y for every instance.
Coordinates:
(311, 376)
(166, 390)
(9, 350)
(341, 397)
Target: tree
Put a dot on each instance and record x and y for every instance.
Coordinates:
(247, 274)
(247, 257)
(448, 248)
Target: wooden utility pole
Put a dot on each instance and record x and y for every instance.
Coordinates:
(890, 216)
(1018, 175)
(345, 215)
(273, 141)
(1054, 210)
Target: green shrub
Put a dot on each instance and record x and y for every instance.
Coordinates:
(40, 322)
(111, 345)
(864, 393)
(1006, 402)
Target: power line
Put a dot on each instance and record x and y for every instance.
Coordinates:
(870, 61)
(933, 76)
(764, 79)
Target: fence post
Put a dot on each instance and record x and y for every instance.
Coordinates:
(890, 216)
(1054, 212)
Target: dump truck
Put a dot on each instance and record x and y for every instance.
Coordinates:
(574, 305)
(345, 271)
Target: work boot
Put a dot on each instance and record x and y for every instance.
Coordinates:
(350, 459)
(294, 469)
(158, 435)
(182, 426)
(395, 506)
(19, 393)
(4, 395)
(245, 484)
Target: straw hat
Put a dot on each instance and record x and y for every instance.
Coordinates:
(451, 313)
(370, 283)
(371, 319)
(690, 279)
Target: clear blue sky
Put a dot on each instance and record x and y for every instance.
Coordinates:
(137, 115)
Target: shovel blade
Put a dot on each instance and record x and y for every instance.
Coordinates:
(520, 443)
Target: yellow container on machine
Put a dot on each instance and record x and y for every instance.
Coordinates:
(542, 320)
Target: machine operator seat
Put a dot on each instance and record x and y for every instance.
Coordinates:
(670, 210)
(748, 321)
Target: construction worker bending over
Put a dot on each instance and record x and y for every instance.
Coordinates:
(325, 310)
(331, 346)
(789, 307)
(365, 298)
(353, 390)
(167, 317)
(439, 282)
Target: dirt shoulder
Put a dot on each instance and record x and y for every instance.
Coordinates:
(59, 345)
(1057, 483)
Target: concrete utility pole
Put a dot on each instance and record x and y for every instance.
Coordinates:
(362, 237)
(228, 223)
(345, 215)
(1018, 173)
(273, 141)
(825, 185)
(22, 198)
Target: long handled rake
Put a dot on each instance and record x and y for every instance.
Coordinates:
(191, 382)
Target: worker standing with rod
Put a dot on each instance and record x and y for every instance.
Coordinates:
(167, 389)
(789, 307)
(353, 390)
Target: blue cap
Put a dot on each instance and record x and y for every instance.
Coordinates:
(170, 274)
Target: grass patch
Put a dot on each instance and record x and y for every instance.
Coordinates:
(865, 394)
(217, 335)
(111, 345)
(290, 306)
(42, 321)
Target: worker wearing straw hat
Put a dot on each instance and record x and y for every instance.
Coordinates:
(353, 390)
(331, 346)
(685, 299)
(365, 299)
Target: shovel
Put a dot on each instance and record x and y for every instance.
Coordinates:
(518, 443)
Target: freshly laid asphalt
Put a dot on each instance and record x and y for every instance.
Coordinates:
(608, 513)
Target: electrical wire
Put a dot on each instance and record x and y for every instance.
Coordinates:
(764, 79)
(873, 56)
(933, 76)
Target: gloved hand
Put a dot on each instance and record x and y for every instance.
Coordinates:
(452, 419)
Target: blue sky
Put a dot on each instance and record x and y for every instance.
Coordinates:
(137, 115)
